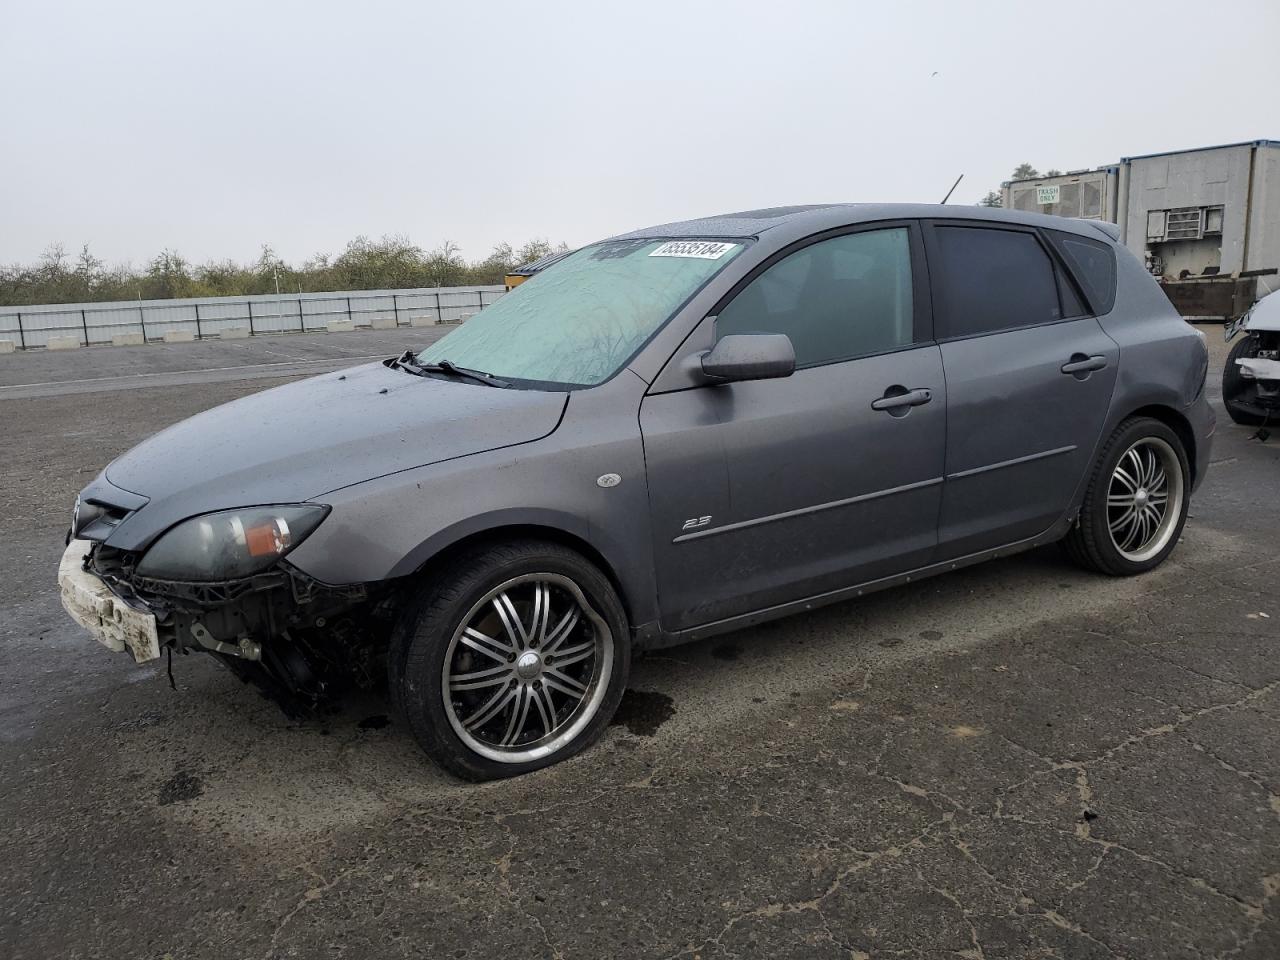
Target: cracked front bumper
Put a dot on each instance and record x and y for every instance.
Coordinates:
(110, 620)
(1258, 369)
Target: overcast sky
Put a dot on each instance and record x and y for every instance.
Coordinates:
(213, 128)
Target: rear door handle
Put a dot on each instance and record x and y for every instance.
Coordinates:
(899, 397)
(1080, 363)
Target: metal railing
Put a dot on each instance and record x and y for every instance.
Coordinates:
(98, 323)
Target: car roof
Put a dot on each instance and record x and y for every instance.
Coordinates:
(814, 217)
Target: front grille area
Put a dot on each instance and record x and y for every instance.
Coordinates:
(115, 567)
(299, 640)
(118, 569)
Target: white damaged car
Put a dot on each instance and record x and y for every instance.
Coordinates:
(1251, 380)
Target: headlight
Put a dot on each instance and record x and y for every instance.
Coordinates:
(230, 544)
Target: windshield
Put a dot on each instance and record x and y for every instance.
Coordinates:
(581, 319)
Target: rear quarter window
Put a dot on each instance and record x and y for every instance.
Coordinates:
(1094, 264)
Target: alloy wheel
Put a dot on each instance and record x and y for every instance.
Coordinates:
(527, 668)
(1144, 499)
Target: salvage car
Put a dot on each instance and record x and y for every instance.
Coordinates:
(1251, 378)
(666, 435)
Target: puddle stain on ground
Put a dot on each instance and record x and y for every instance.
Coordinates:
(642, 712)
(181, 786)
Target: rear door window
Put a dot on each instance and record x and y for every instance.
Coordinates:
(1094, 263)
(989, 279)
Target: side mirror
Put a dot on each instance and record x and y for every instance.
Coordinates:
(749, 356)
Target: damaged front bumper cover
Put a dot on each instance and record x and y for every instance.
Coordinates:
(114, 623)
(298, 640)
(1257, 368)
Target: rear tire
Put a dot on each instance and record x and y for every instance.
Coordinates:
(1234, 386)
(512, 660)
(1135, 504)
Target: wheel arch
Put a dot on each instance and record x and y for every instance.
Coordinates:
(1165, 413)
(1175, 421)
(477, 532)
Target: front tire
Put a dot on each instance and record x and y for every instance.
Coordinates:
(1136, 502)
(512, 661)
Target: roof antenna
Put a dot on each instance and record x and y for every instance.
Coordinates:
(953, 188)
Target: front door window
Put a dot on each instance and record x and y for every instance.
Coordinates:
(837, 299)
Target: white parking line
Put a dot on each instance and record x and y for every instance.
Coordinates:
(277, 353)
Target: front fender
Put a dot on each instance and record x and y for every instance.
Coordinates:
(391, 526)
(442, 540)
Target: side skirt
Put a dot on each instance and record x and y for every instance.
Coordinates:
(659, 640)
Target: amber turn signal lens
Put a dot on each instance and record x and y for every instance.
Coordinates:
(267, 539)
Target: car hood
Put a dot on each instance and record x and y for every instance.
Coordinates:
(1265, 314)
(302, 440)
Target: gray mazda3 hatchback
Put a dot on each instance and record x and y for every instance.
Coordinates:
(676, 432)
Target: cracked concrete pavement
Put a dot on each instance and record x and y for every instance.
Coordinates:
(1016, 760)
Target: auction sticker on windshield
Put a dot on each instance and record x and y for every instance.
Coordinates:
(701, 249)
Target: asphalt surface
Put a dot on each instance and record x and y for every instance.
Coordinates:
(1016, 760)
(44, 373)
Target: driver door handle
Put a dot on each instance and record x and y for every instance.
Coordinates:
(1079, 363)
(897, 397)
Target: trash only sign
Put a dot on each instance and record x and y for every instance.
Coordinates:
(1047, 195)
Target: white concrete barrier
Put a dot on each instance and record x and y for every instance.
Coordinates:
(7, 346)
(233, 333)
(63, 343)
(383, 323)
(179, 336)
(127, 340)
(103, 319)
(340, 326)
(422, 321)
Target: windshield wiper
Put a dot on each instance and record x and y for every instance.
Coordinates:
(408, 362)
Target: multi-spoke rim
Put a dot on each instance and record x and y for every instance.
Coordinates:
(1144, 499)
(527, 668)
